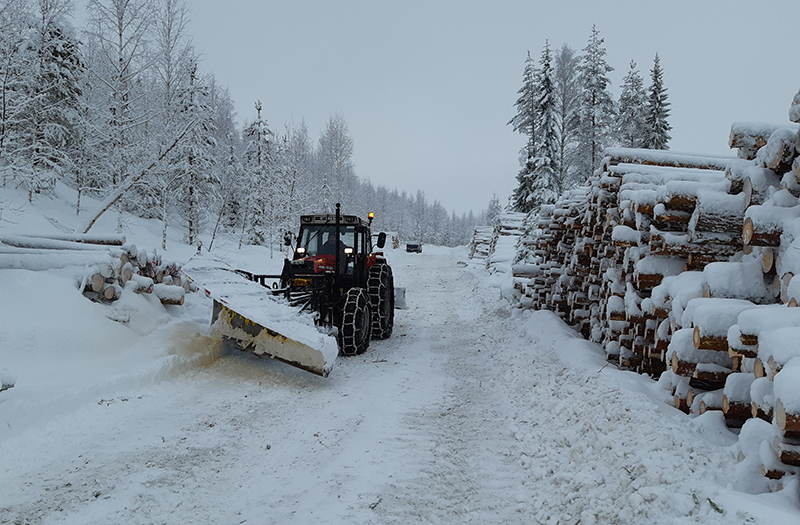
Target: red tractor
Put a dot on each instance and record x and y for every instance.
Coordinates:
(336, 274)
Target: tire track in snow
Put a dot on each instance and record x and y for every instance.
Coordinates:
(524, 437)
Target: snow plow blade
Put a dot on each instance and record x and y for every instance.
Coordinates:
(258, 322)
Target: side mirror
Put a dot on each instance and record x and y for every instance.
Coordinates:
(287, 239)
(381, 239)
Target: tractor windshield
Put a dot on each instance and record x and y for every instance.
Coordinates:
(321, 240)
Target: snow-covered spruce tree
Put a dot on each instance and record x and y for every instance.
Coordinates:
(632, 109)
(657, 131)
(545, 166)
(335, 165)
(193, 162)
(15, 85)
(568, 97)
(526, 122)
(258, 159)
(48, 127)
(597, 107)
(494, 210)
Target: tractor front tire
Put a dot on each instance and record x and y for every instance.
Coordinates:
(381, 294)
(356, 329)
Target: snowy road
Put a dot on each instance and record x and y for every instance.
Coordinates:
(470, 413)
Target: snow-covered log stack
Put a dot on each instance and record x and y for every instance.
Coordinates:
(690, 264)
(103, 266)
(482, 243)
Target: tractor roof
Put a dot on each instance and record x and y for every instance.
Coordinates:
(330, 219)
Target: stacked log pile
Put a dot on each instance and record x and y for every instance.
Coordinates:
(482, 244)
(687, 264)
(504, 244)
(103, 266)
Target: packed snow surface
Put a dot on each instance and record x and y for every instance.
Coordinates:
(472, 412)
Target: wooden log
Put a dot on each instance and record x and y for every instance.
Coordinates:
(112, 292)
(680, 395)
(169, 294)
(753, 236)
(762, 399)
(709, 342)
(735, 413)
(780, 150)
(98, 239)
(709, 377)
(749, 137)
(710, 401)
(38, 243)
(763, 225)
(665, 158)
(789, 454)
(682, 368)
(716, 212)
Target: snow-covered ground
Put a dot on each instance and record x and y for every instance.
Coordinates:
(472, 412)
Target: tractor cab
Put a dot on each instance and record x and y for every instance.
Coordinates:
(318, 249)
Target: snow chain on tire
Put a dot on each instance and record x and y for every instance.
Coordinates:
(381, 294)
(356, 328)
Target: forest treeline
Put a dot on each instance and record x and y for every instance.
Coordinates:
(569, 116)
(123, 103)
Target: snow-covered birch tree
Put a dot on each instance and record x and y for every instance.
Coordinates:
(119, 29)
(335, 164)
(193, 162)
(568, 95)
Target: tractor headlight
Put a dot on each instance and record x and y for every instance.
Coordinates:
(348, 250)
(301, 250)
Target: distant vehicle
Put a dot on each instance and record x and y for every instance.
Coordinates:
(414, 248)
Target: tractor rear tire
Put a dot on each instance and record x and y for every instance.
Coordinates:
(381, 294)
(356, 329)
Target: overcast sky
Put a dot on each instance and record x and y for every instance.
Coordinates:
(427, 86)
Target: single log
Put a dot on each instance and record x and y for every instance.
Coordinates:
(789, 454)
(169, 294)
(763, 225)
(779, 151)
(97, 282)
(99, 239)
(710, 379)
(757, 411)
(772, 473)
(664, 158)
(749, 137)
(759, 370)
(112, 292)
(682, 368)
(39, 243)
(766, 236)
(708, 217)
(709, 342)
(710, 401)
(736, 413)
(788, 423)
